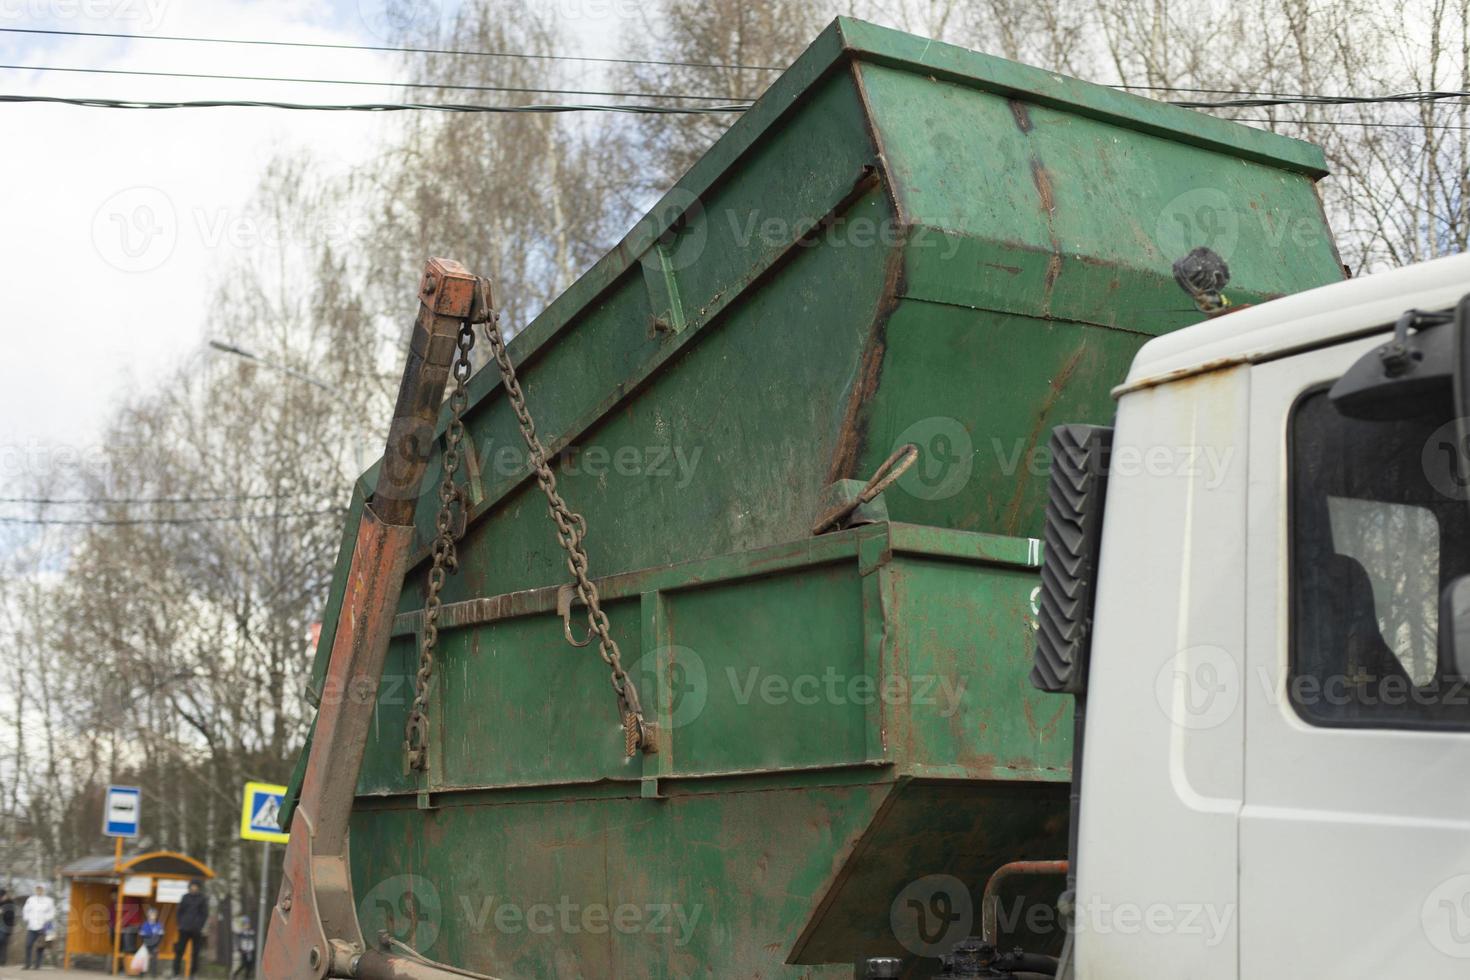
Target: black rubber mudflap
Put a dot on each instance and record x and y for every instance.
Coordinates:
(1074, 513)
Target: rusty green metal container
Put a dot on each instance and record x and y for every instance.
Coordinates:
(902, 242)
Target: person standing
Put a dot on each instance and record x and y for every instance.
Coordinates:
(150, 934)
(128, 925)
(193, 915)
(39, 914)
(7, 924)
(245, 943)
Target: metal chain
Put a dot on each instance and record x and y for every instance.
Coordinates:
(445, 555)
(571, 530)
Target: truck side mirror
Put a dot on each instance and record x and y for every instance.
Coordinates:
(1411, 375)
(1423, 370)
(1454, 627)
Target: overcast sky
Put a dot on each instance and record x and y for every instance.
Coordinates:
(117, 223)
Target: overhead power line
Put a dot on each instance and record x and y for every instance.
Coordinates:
(130, 521)
(97, 103)
(399, 50)
(1262, 93)
(104, 103)
(349, 81)
(1250, 99)
(1351, 122)
(725, 106)
(1325, 100)
(1265, 97)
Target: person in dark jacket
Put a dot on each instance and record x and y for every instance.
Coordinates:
(7, 923)
(192, 916)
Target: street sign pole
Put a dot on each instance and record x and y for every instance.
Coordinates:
(121, 808)
(117, 913)
(260, 819)
(265, 882)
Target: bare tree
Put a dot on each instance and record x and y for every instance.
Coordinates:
(530, 200)
(760, 34)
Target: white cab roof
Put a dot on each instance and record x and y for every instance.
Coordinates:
(1302, 320)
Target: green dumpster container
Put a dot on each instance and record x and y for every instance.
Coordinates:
(902, 242)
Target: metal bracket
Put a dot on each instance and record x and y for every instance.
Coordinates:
(565, 596)
(314, 930)
(446, 296)
(845, 496)
(842, 514)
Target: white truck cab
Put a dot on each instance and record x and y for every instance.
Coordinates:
(1275, 762)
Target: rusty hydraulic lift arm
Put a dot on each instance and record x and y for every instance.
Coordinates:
(314, 931)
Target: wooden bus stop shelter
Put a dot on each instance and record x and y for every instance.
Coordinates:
(107, 890)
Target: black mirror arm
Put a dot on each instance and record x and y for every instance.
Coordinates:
(1462, 379)
(1454, 607)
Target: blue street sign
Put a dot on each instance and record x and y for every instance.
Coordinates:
(121, 810)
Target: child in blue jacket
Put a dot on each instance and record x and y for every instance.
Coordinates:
(150, 933)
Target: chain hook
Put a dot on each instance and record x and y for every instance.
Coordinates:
(416, 744)
(564, 598)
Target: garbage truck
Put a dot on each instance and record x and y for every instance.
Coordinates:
(878, 565)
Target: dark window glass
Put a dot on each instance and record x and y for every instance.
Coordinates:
(1379, 526)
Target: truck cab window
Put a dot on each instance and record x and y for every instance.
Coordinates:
(1397, 545)
(1379, 526)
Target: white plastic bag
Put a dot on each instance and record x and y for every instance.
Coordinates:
(138, 965)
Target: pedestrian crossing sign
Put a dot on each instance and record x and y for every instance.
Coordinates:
(260, 816)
